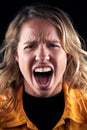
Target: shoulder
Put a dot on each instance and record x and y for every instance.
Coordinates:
(76, 103)
(6, 101)
(80, 100)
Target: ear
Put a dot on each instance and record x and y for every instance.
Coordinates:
(16, 56)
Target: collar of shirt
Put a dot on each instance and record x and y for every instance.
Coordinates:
(75, 106)
(75, 109)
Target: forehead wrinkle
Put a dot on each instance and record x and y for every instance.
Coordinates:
(33, 36)
(39, 37)
(43, 37)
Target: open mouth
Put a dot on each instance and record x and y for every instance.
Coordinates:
(43, 76)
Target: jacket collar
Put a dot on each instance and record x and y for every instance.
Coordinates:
(75, 106)
(17, 116)
(75, 109)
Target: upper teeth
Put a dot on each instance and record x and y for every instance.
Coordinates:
(45, 69)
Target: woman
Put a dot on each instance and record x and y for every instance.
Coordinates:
(43, 74)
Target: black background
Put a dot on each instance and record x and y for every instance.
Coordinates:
(75, 8)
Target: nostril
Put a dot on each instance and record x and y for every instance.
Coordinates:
(42, 58)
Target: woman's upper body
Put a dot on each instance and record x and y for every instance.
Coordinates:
(74, 114)
(42, 51)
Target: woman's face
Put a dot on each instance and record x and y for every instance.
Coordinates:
(41, 58)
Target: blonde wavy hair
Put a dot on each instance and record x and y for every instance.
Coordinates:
(76, 71)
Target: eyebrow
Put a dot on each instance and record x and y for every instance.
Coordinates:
(52, 41)
(29, 42)
(45, 41)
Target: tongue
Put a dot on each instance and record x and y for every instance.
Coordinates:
(42, 79)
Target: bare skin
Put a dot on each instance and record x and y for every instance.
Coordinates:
(41, 58)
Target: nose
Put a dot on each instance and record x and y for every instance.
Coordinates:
(42, 54)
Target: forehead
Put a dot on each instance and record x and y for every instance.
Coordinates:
(38, 22)
(38, 27)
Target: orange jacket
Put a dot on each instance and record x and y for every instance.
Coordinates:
(74, 115)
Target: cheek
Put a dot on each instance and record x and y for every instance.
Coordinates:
(24, 67)
(22, 60)
(25, 64)
(62, 62)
